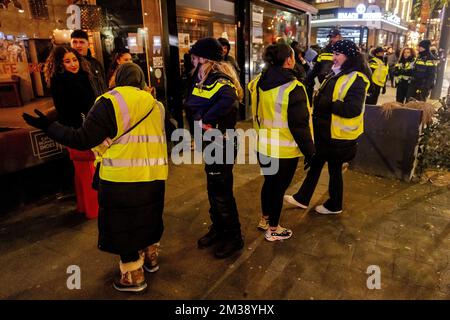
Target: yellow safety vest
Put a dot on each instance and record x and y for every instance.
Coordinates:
(270, 119)
(403, 66)
(325, 56)
(208, 91)
(141, 154)
(347, 128)
(380, 73)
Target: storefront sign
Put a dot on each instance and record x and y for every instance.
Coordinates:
(74, 20)
(361, 12)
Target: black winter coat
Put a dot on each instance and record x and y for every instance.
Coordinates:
(220, 110)
(352, 106)
(73, 97)
(130, 214)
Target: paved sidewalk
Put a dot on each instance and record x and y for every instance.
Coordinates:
(402, 228)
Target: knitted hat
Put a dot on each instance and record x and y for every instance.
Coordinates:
(208, 48)
(346, 47)
(426, 44)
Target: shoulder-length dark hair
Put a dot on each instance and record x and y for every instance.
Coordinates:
(54, 63)
(412, 57)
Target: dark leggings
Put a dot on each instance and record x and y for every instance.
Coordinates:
(335, 186)
(129, 257)
(402, 91)
(275, 186)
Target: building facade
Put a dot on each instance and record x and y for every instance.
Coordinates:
(370, 23)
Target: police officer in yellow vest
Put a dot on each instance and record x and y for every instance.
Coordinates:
(379, 76)
(403, 72)
(338, 118)
(125, 128)
(282, 118)
(322, 62)
(213, 102)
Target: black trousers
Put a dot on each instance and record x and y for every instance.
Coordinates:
(129, 257)
(335, 186)
(223, 210)
(275, 186)
(402, 91)
(374, 93)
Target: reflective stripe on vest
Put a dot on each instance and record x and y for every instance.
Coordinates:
(141, 154)
(209, 91)
(347, 128)
(326, 56)
(380, 73)
(403, 66)
(274, 137)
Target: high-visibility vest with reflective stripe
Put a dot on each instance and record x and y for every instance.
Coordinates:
(380, 71)
(141, 154)
(403, 66)
(347, 128)
(208, 91)
(270, 119)
(325, 56)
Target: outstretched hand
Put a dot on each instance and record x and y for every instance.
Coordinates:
(41, 121)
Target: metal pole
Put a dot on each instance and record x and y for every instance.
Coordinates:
(444, 44)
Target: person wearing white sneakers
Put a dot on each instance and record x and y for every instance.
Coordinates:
(282, 120)
(338, 122)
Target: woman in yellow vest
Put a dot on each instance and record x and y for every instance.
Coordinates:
(281, 116)
(338, 116)
(125, 128)
(379, 76)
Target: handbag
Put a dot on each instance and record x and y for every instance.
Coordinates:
(96, 178)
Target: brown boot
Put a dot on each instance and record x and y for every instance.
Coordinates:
(151, 258)
(132, 277)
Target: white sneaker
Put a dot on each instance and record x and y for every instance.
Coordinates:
(291, 200)
(277, 235)
(322, 210)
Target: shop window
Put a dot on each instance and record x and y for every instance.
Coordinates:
(227, 31)
(38, 9)
(271, 24)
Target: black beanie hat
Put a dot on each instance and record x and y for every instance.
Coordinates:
(426, 44)
(80, 34)
(346, 47)
(377, 50)
(225, 42)
(208, 48)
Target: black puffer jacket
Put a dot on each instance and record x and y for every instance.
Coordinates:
(324, 107)
(298, 114)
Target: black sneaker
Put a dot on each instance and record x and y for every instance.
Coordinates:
(208, 239)
(228, 246)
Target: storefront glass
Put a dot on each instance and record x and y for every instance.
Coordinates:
(358, 35)
(271, 24)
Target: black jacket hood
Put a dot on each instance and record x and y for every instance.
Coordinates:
(274, 77)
